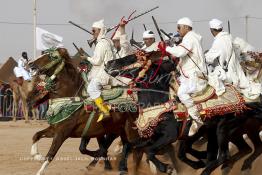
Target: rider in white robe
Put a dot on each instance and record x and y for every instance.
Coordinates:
(20, 70)
(192, 67)
(228, 68)
(97, 76)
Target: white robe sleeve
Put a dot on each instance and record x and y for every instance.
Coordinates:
(125, 45)
(213, 53)
(181, 50)
(99, 54)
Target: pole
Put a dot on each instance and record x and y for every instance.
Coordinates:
(246, 27)
(34, 26)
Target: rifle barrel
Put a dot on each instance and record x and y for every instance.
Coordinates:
(80, 27)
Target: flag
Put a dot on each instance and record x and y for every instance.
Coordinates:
(46, 40)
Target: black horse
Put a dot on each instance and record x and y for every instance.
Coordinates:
(220, 130)
(152, 89)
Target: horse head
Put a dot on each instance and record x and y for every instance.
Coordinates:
(55, 76)
(150, 73)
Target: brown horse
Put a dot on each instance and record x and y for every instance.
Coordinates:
(68, 83)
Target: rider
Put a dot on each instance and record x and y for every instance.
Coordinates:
(191, 66)
(98, 77)
(21, 70)
(122, 48)
(228, 68)
(149, 41)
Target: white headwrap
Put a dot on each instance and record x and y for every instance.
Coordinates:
(185, 21)
(215, 24)
(117, 35)
(99, 24)
(148, 34)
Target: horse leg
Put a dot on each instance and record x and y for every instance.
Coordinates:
(58, 140)
(222, 142)
(104, 143)
(15, 108)
(169, 135)
(171, 153)
(34, 112)
(253, 134)
(243, 150)
(186, 147)
(25, 111)
(48, 133)
(124, 155)
(137, 157)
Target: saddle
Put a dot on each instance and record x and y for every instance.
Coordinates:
(61, 109)
(229, 102)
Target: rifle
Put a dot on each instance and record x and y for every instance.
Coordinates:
(80, 27)
(145, 27)
(131, 19)
(169, 37)
(135, 43)
(81, 52)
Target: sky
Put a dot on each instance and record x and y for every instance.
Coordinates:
(15, 38)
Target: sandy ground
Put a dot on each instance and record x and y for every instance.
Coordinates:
(15, 145)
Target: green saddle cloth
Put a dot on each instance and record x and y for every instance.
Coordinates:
(62, 108)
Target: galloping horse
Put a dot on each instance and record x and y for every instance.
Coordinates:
(68, 83)
(219, 129)
(152, 85)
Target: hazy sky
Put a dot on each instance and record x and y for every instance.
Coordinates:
(15, 38)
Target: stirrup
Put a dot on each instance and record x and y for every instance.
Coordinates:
(102, 116)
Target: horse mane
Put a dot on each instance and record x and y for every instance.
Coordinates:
(69, 66)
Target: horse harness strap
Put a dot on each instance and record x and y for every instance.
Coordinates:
(88, 123)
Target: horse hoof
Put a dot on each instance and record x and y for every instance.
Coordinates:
(225, 171)
(27, 121)
(38, 157)
(123, 173)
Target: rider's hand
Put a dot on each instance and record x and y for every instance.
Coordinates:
(123, 23)
(162, 46)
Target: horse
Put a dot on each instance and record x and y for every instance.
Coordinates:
(233, 128)
(220, 126)
(68, 83)
(152, 90)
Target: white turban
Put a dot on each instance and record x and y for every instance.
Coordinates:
(185, 21)
(215, 24)
(99, 24)
(148, 34)
(117, 35)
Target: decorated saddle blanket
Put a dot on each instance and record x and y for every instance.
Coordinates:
(208, 93)
(61, 109)
(229, 102)
(149, 118)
